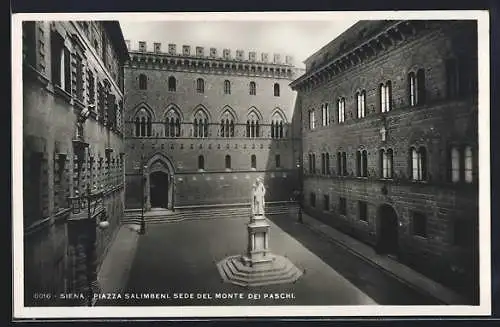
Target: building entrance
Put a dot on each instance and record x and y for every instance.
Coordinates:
(387, 236)
(159, 185)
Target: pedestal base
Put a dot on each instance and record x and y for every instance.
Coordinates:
(272, 269)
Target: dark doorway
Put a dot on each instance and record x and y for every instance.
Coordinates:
(387, 237)
(158, 182)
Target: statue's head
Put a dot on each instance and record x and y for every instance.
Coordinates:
(259, 180)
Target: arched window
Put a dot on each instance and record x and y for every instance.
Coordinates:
(276, 90)
(137, 127)
(325, 114)
(172, 123)
(341, 110)
(252, 125)
(418, 163)
(200, 85)
(416, 87)
(385, 94)
(227, 87)
(386, 163)
(253, 161)
(253, 90)
(200, 124)
(361, 104)
(412, 88)
(143, 123)
(461, 164)
(277, 125)
(228, 161)
(227, 124)
(325, 163)
(312, 121)
(341, 163)
(201, 162)
(172, 84)
(143, 82)
(361, 163)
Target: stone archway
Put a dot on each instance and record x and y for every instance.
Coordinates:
(160, 186)
(387, 230)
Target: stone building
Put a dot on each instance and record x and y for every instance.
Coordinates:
(201, 126)
(390, 142)
(73, 145)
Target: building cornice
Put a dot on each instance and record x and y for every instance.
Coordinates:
(395, 33)
(164, 61)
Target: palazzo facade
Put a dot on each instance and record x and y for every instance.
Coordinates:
(200, 126)
(70, 70)
(390, 142)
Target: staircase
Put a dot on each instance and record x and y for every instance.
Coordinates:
(133, 216)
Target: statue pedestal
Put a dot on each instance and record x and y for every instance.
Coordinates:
(258, 266)
(258, 242)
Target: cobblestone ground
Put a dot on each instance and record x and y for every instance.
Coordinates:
(177, 261)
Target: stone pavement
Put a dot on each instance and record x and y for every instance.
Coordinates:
(114, 272)
(399, 271)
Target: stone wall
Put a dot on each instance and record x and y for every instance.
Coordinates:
(439, 123)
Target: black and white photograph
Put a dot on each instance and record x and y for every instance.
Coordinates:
(251, 164)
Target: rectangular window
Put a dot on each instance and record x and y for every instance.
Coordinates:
(418, 164)
(277, 160)
(79, 78)
(361, 104)
(386, 158)
(91, 87)
(326, 202)
(342, 206)
(363, 210)
(419, 224)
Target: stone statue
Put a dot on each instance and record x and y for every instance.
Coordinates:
(258, 193)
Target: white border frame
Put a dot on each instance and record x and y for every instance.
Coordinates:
(20, 312)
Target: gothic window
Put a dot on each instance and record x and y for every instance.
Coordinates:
(253, 90)
(386, 163)
(416, 87)
(385, 94)
(227, 87)
(201, 162)
(143, 123)
(312, 122)
(341, 163)
(143, 82)
(461, 164)
(276, 90)
(277, 125)
(325, 163)
(418, 163)
(253, 125)
(172, 123)
(361, 163)
(341, 110)
(172, 84)
(200, 124)
(200, 85)
(253, 161)
(361, 104)
(277, 160)
(227, 124)
(228, 161)
(60, 63)
(325, 115)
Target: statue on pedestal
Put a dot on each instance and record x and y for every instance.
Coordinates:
(258, 195)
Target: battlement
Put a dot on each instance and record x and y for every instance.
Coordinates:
(211, 53)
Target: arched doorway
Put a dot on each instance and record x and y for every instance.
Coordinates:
(388, 225)
(158, 189)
